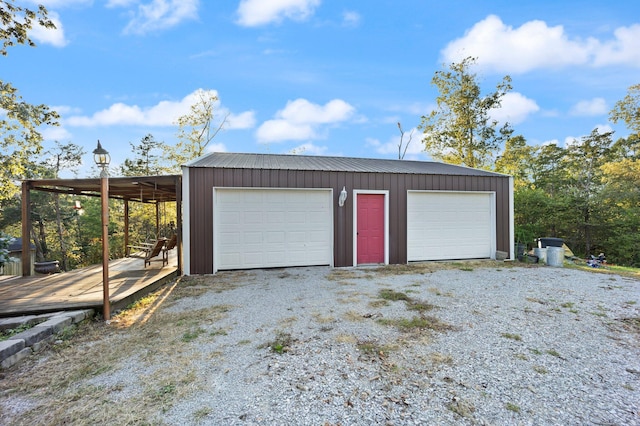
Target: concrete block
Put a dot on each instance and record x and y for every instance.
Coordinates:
(33, 335)
(37, 346)
(15, 358)
(14, 322)
(57, 323)
(10, 347)
(78, 316)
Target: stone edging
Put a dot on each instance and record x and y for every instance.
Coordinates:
(46, 327)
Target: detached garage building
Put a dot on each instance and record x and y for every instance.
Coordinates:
(245, 211)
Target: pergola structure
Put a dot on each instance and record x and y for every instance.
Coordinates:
(141, 189)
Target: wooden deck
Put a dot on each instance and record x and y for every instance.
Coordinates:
(82, 288)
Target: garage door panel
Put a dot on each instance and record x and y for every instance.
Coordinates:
(272, 228)
(449, 225)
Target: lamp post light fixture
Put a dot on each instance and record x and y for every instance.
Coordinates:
(343, 196)
(102, 158)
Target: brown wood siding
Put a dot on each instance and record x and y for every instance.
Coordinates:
(203, 180)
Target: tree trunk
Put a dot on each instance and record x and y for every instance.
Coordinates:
(63, 248)
(36, 242)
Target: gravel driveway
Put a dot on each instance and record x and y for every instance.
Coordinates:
(467, 343)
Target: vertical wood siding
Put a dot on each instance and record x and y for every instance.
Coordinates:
(203, 180)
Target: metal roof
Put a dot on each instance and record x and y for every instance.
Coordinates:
(142, 188)
(226, 160)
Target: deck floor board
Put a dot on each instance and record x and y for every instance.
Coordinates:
(82, 288)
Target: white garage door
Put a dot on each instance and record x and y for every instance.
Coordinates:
(262, 228)
(450, 225)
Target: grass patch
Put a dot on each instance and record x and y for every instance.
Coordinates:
(631, 324)
(192, 335)
(343, 274)
(10, 332)
(353, 316)
(438, 292)
(512, 336)
(462, 408)
(201, 413)
(370, 347)
(378, 303)
(392, 295)
(624, 271)
(415, 305)
(416, 323)
(553, 352)
(438, 358)
(346, 338)
(512, 407)
(281, 343)
(73, 383)
(540, 369)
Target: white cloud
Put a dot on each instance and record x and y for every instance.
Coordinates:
(253, 13)
(595, 106)
(56, 133)
(244, 120)
(54, 37)
(503, 48)
(604, 128)
(351, 18)
(570, 140)
(300, 120)
(281, 130)
(217, 147)
(120, 3)
(622, 50)
(164, 113)
(515, 108)
(535, 45)
(158, 14)
(390, 147)
(50, 4)
(308, 149)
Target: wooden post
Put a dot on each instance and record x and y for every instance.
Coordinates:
(26, 230)
(104, 196)
(126, 227)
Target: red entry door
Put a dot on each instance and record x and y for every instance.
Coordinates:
(370, 228)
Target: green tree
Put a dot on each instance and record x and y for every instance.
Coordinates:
(460, 130)
(628, 109)
(148, 158)
(197, 129)
(583, 162)
(19, 137)
(64, 157)
(621, 211)
(517, 160)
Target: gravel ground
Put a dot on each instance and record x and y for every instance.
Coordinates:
(314, 346)
(527, 346)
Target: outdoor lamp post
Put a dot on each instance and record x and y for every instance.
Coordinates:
(102, 159)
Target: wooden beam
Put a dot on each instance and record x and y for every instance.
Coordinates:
(26, 227)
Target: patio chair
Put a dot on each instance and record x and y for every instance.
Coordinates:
(171, 243)
(149, 251)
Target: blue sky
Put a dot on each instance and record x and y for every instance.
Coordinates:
(321, 77)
